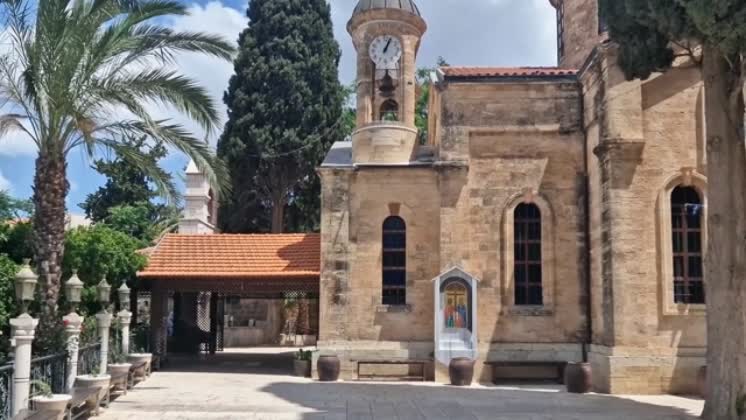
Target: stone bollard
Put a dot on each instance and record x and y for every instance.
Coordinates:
(73, 324)
(103, 321)
(125, 318)
(23, 329)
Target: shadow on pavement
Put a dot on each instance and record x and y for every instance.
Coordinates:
(351, 400)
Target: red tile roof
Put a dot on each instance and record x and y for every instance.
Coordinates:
(466, 72)
(235, 256)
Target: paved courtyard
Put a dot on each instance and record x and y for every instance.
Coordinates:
(258, 386)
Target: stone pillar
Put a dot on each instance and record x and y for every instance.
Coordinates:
(125, 318)
(23, 329)
(103, 321)
(73, 323)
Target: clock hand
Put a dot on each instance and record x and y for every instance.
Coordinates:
(386, 48)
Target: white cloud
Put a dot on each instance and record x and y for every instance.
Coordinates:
(5, 184)
(17, 144)
(211, 73)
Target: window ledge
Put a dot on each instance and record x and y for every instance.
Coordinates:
(528, 311)
(686, 310)
(394, 309)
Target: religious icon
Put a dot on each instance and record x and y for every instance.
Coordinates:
(456, 308)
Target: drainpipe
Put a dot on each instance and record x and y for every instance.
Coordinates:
(587, 234)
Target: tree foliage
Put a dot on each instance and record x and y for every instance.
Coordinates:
(13, 208)
(16, 241)
(422, 111)
(8, 270)
(127, 184)
(100, 251)
(284, 112)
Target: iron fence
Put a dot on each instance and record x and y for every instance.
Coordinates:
(6, 389)
(89, 359)
(52, 370)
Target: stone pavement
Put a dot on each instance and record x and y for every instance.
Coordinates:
(259, 387)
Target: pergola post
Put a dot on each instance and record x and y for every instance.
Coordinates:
(159, 321)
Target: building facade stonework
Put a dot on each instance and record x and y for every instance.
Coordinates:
(571, 199)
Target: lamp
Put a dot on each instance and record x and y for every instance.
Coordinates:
(74, 289)
(103, 290)
(25, 283)
(124, 296)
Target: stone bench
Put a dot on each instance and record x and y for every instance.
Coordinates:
(558, 366)
(422, 363)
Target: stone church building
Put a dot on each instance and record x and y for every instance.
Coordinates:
(548, 214)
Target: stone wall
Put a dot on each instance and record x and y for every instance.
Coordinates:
(500, 144)
(647, 139)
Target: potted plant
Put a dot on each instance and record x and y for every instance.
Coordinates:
(118, 365)
(95, 379)
(302, 363)
(45, 400)
(461, 371)
(137, 358)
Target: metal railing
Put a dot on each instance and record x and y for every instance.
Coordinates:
(89, 359)
(52, 370)
(6, 391)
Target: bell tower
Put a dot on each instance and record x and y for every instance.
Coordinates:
(386, 35)
(580, 28)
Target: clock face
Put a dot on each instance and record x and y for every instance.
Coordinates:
(385, 51)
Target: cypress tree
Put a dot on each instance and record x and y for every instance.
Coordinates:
(652, 35)
(284, 112)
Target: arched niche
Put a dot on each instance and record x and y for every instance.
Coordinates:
(455, 315)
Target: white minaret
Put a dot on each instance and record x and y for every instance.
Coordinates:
(200, 208)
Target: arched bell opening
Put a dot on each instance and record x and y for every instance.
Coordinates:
(389, 110)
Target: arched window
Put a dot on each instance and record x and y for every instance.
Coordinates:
(394, 261)
(390, 110)
(686, 232)
(527, 255)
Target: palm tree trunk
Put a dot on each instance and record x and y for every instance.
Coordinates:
(50, 191)
(726, 253)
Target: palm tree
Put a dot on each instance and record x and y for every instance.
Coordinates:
(80, 74)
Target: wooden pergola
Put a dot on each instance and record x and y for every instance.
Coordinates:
(255, 266)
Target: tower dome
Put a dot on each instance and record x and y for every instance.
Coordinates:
(405, 5)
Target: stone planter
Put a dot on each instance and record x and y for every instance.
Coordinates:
(97, 381)
(56, 404)
(119, 369)
(578, 377)
(302, 368)
(702, 382)
(137, 358)
(461, 371)
(328, 367)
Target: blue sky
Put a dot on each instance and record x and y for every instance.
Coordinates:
(465, 32)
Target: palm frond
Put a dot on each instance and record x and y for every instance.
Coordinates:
(160, 179)
(180, 139)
